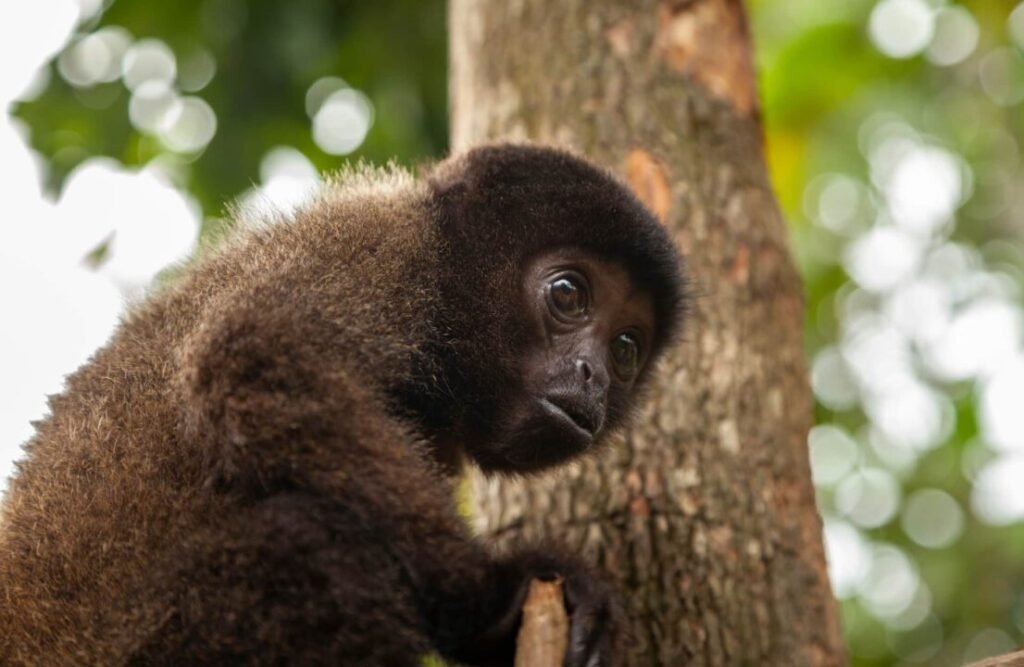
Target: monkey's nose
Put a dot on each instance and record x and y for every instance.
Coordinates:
(592, 375)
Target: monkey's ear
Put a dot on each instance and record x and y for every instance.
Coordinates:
(454, 198)
(452, 179)
(448, 183)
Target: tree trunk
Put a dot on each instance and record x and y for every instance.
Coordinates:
(1015, 659)
(705, 513)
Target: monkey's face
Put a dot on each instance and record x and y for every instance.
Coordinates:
(586, 340)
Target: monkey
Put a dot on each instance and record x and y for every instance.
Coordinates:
(259, 467)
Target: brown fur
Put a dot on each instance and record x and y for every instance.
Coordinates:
(248, 471)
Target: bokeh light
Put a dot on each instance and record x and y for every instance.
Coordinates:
(833, 453)
(197, 70)
(1015, 23)
(95, 58)
(901, 28)
(848, 556)
(147, 223)
(832, 380)
(1002, 416)
(932, 518)
(998, 495)
(287, 180)
(956, 36)
(149, 60)
(869, 497)
(187, 125)
(987, 643)
(342, 121)
(891, 583)
(1002, 76)
(151, 104)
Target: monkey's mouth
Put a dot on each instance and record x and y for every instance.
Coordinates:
(569, 418)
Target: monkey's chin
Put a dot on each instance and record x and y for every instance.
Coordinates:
(563, 420)
(545, 437)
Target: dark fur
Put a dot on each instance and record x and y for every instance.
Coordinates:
(249, 471)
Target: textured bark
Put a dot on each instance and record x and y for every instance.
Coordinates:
(1015, 659)
(705, 512)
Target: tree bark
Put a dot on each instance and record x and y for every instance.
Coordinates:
(704, 514)
(1015, 659)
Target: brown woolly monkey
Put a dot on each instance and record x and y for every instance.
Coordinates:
(257, 469)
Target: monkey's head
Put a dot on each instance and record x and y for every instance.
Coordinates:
(559, 291)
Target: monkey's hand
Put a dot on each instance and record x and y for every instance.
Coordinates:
(594, 614)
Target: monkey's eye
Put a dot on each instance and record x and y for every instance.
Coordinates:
(567, 296)
(626, 355)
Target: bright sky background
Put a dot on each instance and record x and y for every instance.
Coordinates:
(57, 308)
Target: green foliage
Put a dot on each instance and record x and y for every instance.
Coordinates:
(267, 55)
(825, 86)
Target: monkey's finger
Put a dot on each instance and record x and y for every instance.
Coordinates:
(582, 638)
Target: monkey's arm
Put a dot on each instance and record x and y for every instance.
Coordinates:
(277, 418)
